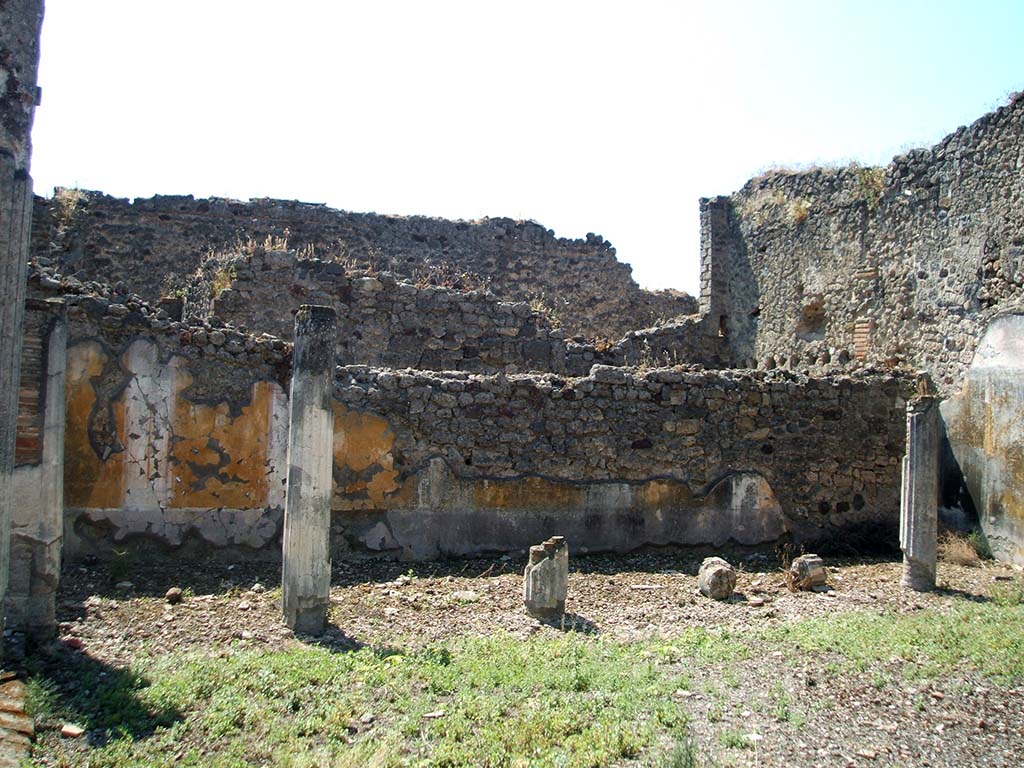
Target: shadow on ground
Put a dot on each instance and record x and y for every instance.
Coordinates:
(69, 686)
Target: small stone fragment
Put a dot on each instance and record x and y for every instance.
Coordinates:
(71, 731)
(174, 595)
(716, 578)
(807, 572)
(465, 596)
(546, 579)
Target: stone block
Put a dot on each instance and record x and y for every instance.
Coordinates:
(716, 578)
(807, 572)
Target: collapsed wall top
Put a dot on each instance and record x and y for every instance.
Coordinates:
(153, 244)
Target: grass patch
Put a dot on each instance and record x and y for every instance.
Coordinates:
(982, 636)
(1008, 595)
(733, 739)
(684, 755)
(572, 700)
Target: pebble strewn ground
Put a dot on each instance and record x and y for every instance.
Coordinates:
(806, 714)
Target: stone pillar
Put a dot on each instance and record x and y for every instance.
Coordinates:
(20, 23)
(37, 520)
(546, 580)
(919, 502)
(306, 567)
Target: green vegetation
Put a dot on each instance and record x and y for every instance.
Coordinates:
(870, 184)
(574, 700)
(981, 636)
(979, 542)
(733, 739)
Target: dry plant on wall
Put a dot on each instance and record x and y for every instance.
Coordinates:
(763, 205)
(223, 278)
(869, 184)
(550, 308)
(67, 203)
(276, 242)
(798, 210)
(444, 275)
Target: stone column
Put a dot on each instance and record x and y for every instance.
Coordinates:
(919, 503)
(306, 568)
(20, 23)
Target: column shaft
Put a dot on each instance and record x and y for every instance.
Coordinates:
(306, 568)
(919, 513)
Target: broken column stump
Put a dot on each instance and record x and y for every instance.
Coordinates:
(546, 579)
(919, 500)
(716, 578)
(306, 555)
(807, 572)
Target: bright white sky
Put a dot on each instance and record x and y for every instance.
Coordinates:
(607, 117)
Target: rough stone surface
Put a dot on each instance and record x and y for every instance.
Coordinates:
(449, 463)
(455, 463)
(897, 265)
(157, 241)
(807, 572)
(381, 321)
(716, 578)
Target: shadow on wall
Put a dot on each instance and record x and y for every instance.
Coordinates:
(744, 297)
(985, 428)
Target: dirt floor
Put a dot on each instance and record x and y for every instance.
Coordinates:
(875, 717)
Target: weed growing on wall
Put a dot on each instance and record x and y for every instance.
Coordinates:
(67, 202)
(869, 184)
(798, 210)
(223, 278)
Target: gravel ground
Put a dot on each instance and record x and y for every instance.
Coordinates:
(758, 711)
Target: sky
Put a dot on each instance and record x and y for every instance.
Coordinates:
(605, 117)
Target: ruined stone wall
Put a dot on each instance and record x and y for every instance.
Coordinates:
(898, 266)
(174, 435)
(385, 322)
(154, 243)
(429, 464)
(175, 439)
(381, 321)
